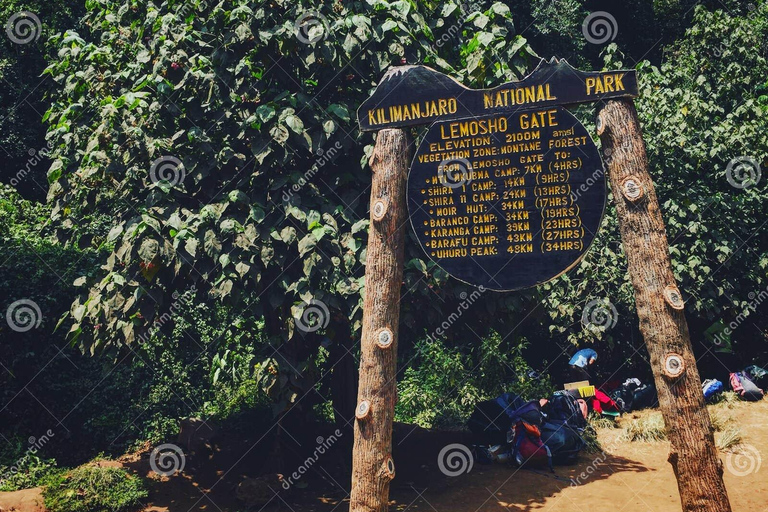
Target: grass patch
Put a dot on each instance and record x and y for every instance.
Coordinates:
(729, 438)
(94, 489)
(651, 428)
(727, 435)
(589, 435)
(645, 429)
(726, 399)
(600, 421)
(719, 420)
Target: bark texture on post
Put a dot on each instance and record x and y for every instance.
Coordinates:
(693, 455)
(372, 468)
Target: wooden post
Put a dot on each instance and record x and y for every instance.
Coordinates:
(372, 464)
(693, 454)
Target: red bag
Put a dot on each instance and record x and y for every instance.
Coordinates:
(736, 384)
(530, 450)
(744, 387)
(602, 401)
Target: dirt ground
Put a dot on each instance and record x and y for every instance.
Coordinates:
(627, 477)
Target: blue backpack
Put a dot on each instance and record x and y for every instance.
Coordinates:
(562, 408)
(711, 387)
(492, 420)
(563, 441)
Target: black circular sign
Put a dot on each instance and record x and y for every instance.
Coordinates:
(507, 201)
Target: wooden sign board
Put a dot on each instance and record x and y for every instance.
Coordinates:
(507, 191)
(507, 201)
(414, 95)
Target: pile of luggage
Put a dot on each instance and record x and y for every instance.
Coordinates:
(536, 433)
(633, 395)
(541, 433)
(747, 384)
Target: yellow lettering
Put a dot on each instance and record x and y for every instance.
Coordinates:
(590, 83)
(619, 83)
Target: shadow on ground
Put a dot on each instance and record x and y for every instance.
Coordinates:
(212, 484)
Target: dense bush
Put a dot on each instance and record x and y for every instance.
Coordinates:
(200, 363)
(113, 406)
(269, 209)
(642, 29)
(703, 108)
(440, 385)
(20, 468)
(266, 213)
(247, 218)
(23, 90)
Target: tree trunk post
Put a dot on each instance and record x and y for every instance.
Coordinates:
(372, 464)
(693, 454)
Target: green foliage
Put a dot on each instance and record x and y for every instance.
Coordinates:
(558, 24)
(22, 91)
(34, 265)
(599, 421)
(116, 404)
(252, 112)
(696, 117)
(642, 29)
(701, 118)
(18, 217)
(198, 362)
(94, 489)
(169, 378)
(440, 387)
(21, 467)
(271, 212)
